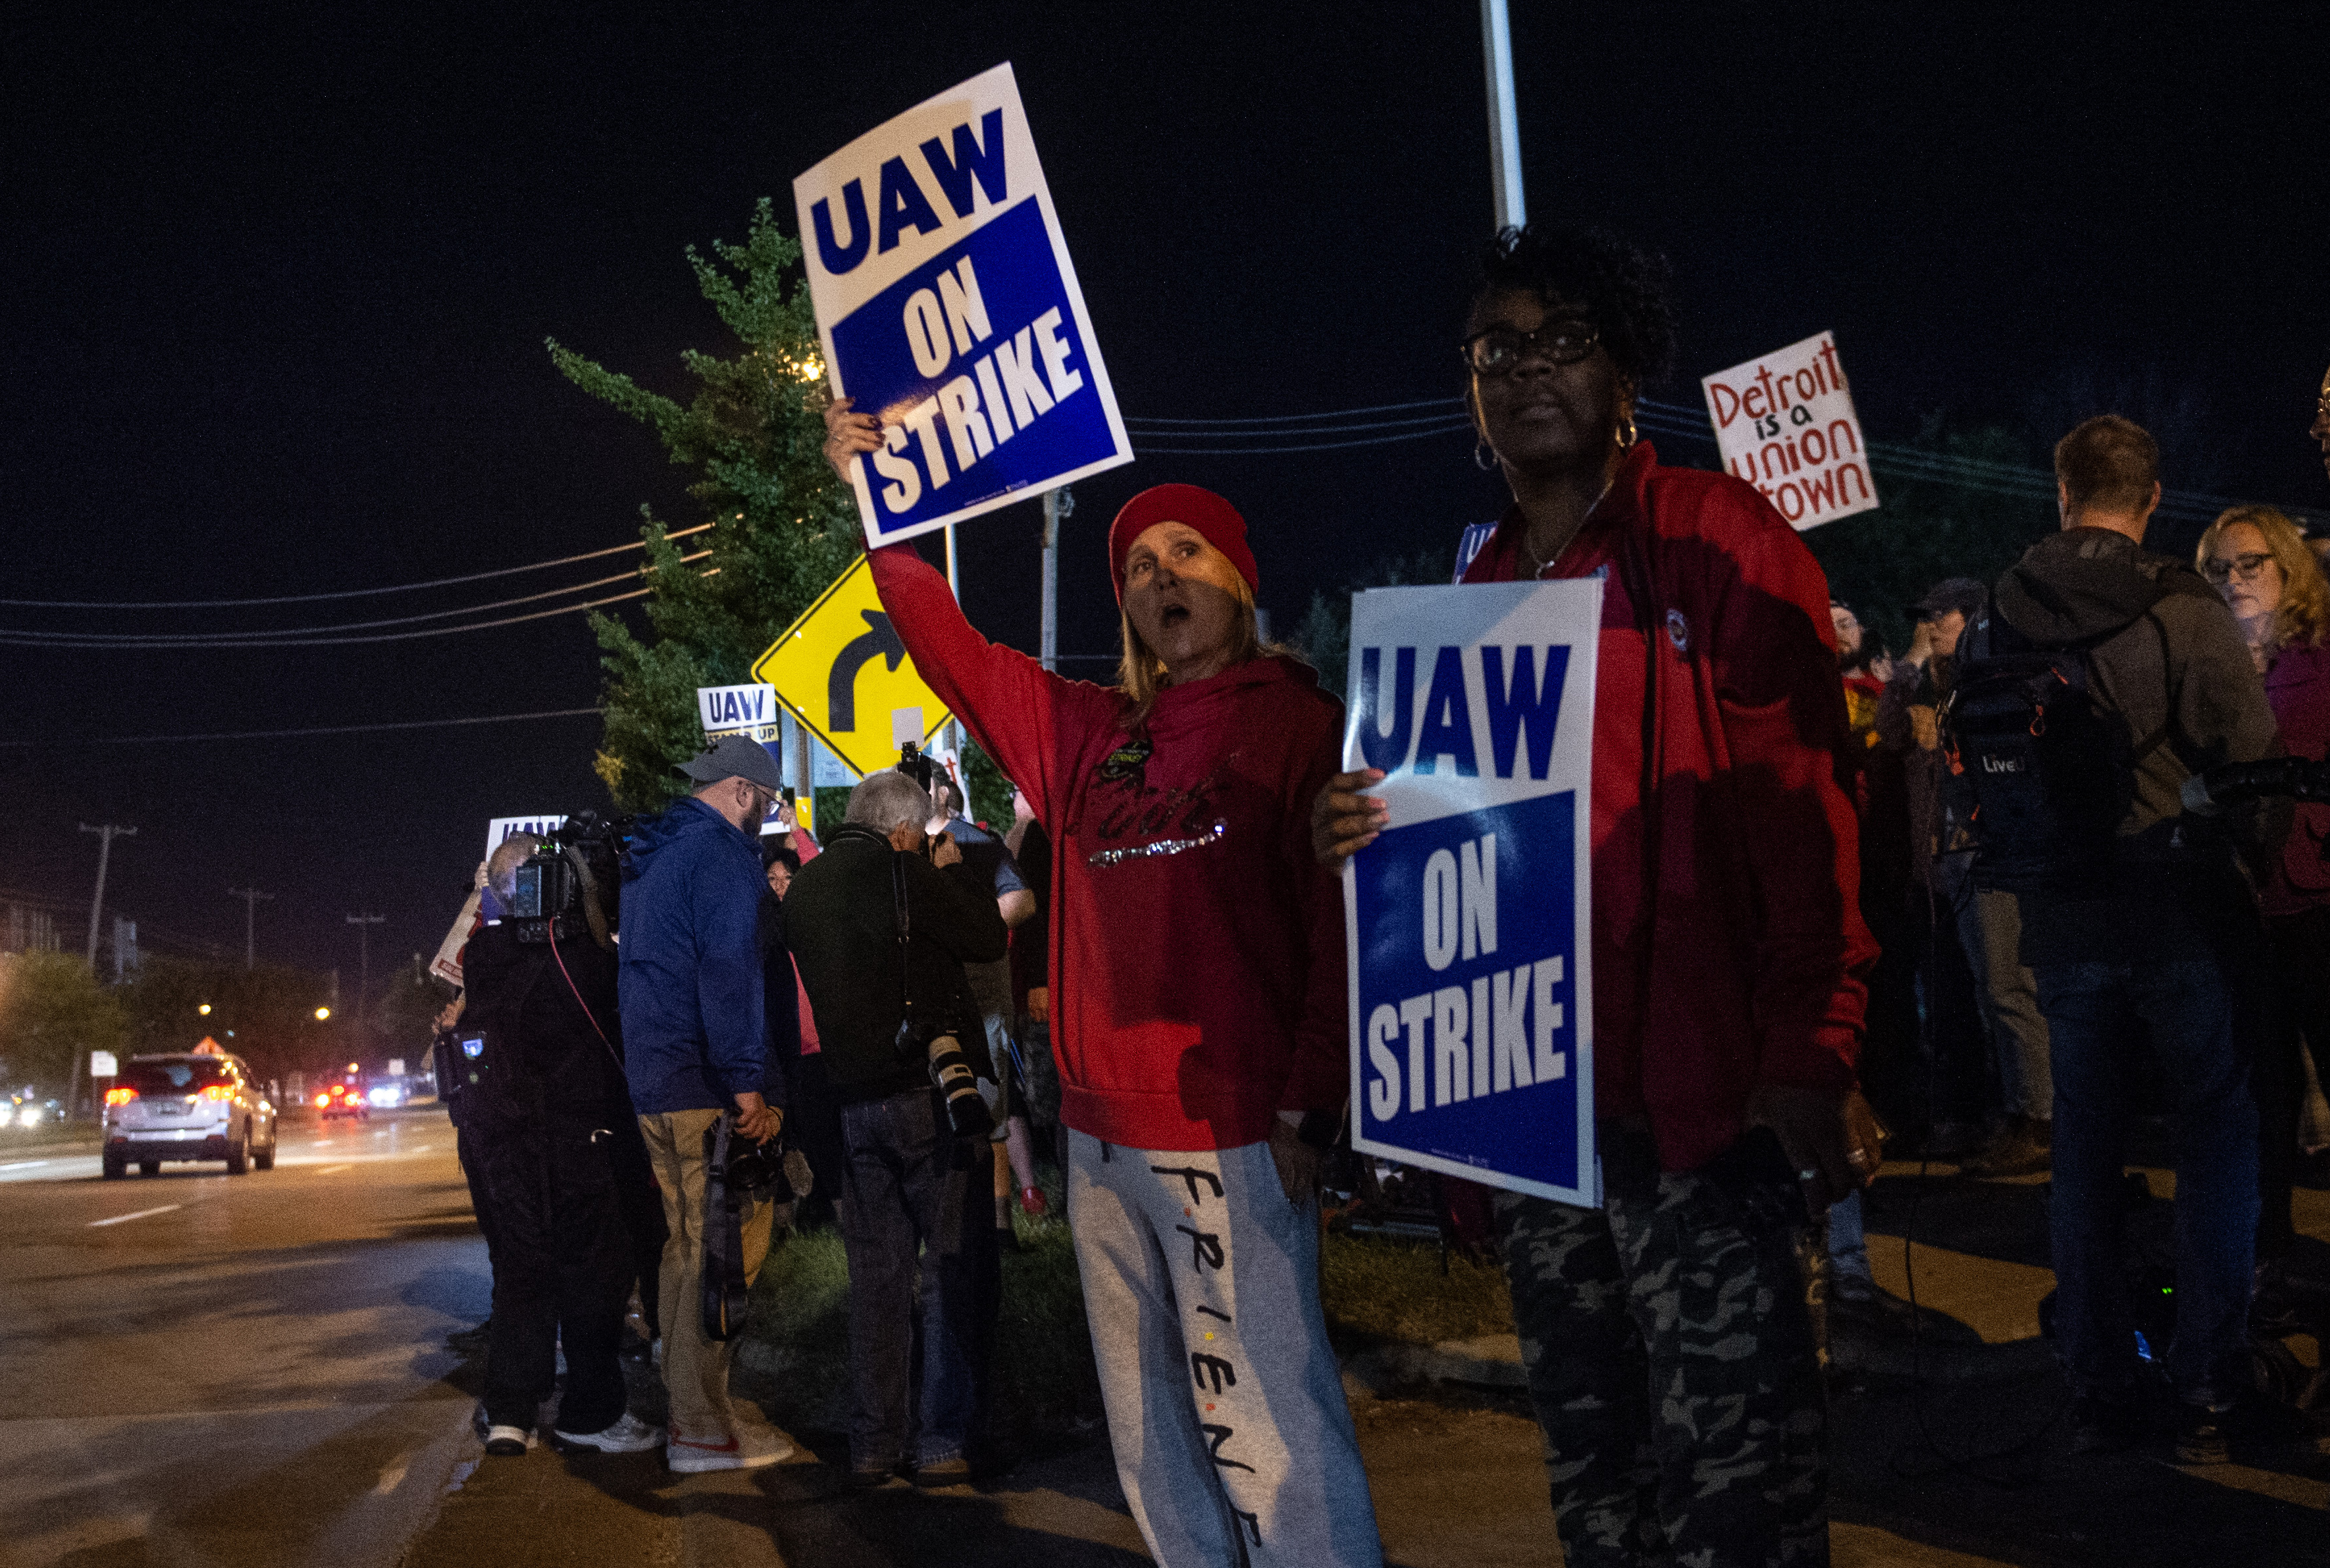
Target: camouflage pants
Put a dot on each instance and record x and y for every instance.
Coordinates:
(1670, 1350)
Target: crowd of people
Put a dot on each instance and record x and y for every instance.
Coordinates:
(1956, 880)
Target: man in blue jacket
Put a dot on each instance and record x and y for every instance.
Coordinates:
(693, 1048)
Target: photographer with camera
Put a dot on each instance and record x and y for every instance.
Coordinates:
(991, 989)
(881, 925)
(693, 1025)
(545, 1106)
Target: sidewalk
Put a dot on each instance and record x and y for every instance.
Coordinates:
(1962, 1467)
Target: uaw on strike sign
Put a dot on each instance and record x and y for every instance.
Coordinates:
(949, 311)
(1787, 425)
(1471, 948)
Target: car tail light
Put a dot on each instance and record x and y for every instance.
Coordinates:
(121, 1096)
(218, 1091)
(323, 1099)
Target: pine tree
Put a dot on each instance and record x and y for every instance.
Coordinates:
(783, 526)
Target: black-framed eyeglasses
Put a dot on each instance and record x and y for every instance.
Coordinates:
(1563, 340)
(2217, 569)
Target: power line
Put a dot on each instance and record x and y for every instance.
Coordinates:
(1455, 428)
(344, 593)
(259, 640)
(242, 639)
(322, 729)
(1299, 419)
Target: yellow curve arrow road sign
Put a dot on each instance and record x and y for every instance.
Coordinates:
(846, 676)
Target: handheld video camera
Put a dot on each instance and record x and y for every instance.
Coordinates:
(573, 882)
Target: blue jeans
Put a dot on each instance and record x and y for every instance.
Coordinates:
(2188, 1010)
(912, 1186)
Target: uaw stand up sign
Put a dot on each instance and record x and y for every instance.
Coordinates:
(1472, 1014)
(949, 311)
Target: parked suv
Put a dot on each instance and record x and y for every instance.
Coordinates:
(191, 1107)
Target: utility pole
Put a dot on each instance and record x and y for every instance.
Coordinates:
(1504, 123)
(1058, 505)
(364, 924)
(106, 835)
(249, 897)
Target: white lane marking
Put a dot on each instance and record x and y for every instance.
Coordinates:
(335, 1169)
(140, 1215)
(22, 1164)
(391, 1475)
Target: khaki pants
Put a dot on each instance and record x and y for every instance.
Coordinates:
(694, 1369)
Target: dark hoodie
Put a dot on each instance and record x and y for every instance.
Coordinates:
(692, 1036)
(2165, 656)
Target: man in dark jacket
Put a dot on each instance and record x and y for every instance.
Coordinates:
(909, 1182)
(543, 1107)
(2157, 927)
(693, 1028)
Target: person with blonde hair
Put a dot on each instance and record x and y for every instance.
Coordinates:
(2274, 587)
(1198, 1018)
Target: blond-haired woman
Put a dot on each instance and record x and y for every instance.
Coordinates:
(1197, 1001)
(2274, 587)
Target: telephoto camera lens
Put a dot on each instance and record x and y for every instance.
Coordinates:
(951, 1070)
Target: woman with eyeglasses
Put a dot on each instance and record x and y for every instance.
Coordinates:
(1666, 1334)
(2274, 587)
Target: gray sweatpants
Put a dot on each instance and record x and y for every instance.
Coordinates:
(1234, 1444)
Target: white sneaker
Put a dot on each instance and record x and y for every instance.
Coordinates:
(508, 1442)
(630, 1435)
(761, 1443)
(738, 1451)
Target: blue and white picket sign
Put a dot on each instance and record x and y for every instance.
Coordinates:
(1469, 938)
(948, 309)
(750, 711)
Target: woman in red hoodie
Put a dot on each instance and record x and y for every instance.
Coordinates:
(1666, 1334)
(1197, 1003)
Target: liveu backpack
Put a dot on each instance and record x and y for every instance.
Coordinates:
(2051, 773)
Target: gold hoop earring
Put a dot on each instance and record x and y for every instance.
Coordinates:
(1626, 428)
(1484, 456)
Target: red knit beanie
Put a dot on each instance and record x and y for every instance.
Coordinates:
(1201, 509)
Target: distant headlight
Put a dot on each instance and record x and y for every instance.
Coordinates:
(28, 1115)
(6, 1112)
(386, 1094)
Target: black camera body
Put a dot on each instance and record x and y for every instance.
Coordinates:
(917, 764)
(572, 885)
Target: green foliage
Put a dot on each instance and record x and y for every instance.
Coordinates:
(266, 1014)
(52, 1013)
(990, 791)
(1383, 1289)
(1882, 562)
(404, 1016)
(795, 1354)
(1323, 636)
(783, 526)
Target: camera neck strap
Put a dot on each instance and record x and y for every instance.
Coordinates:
(898, 898)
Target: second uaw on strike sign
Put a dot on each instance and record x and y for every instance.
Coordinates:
(845, 673)
(1471, 933)
(949, 311)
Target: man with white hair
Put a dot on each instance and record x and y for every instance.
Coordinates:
(881, 925)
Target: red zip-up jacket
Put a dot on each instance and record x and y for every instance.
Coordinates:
(1197, 962)
(1729, 948)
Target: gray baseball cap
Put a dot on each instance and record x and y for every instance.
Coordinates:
(735, 757)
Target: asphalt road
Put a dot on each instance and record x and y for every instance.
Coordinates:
(250, 1370)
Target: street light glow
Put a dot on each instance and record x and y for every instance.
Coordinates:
(204, 1009)
(322, 1014)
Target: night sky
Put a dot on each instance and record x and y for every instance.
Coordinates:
(278, 290)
